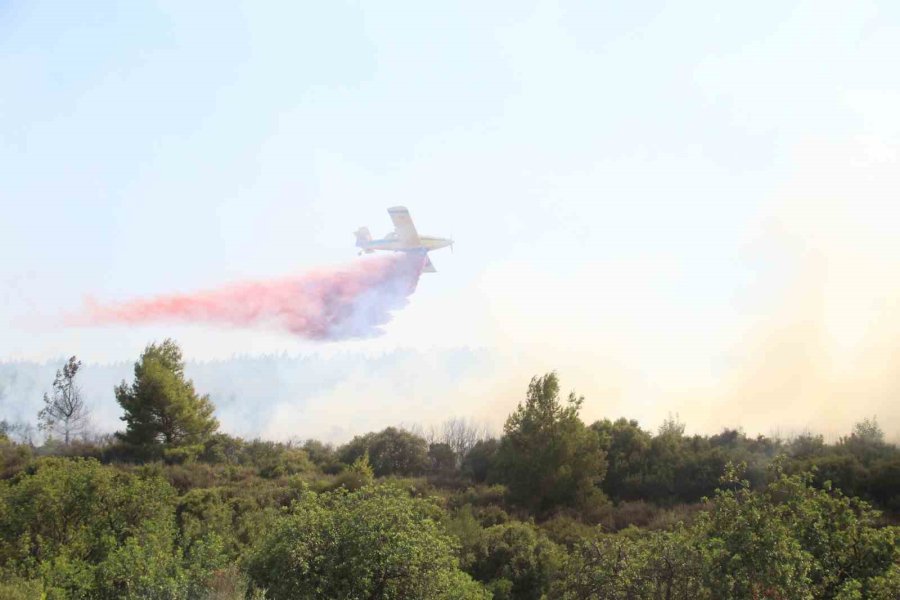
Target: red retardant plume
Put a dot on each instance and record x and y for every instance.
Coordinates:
(333, 304)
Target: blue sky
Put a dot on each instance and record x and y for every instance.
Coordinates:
(653, 198)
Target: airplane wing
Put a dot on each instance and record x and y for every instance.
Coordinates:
(403, 226)
(428, 268)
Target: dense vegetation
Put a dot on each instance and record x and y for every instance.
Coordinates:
(172, 508)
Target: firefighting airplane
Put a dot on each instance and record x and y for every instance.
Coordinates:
(404, 238)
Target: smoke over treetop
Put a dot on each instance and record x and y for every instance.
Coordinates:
(333, 304)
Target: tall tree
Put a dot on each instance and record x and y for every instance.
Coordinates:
(162, 409)
(548, 457)
(627, 449)
(64, 410)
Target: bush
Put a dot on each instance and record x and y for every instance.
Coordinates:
(515, 560)
(391, 452)
(231, 584)
(791, 540)
(89, 530)
(376, 542)
(13, 457)
(568, 531)
(15, 588)
(633, 566)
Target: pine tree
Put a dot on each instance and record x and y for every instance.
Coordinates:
(162, 409)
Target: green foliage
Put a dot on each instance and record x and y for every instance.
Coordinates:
(268, 459)
(807, 446)
(15, 588)
(142, 566)
(791, 541)
(164, 415)
(391, 452)
(205, 521)
(467, 529)
(752, 550)
(356, 476)
(479, 461)
(861, 464)
(887, 585)
(88, 530)
(568, 531)
(547, 457)
(230, 583)
(323, 456)
(484, 504)
(627, 448)
(673, 468)
(13, 457)
(633, 567)
(243, 521)
(441, 458)
(273, 459)
(376, 542)
(883, 483)
(514, 560)
(221, 448)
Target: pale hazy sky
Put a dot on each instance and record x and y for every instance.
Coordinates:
(684, 207)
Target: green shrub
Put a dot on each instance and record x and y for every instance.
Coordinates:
(88, 530)
(16, 588)
(514, 560)
(376, 542)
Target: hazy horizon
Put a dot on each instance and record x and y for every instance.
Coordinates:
(310, 396)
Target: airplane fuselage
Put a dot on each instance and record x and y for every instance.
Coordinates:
(425, 243)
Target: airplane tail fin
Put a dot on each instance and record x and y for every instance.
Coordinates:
(362, 236)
